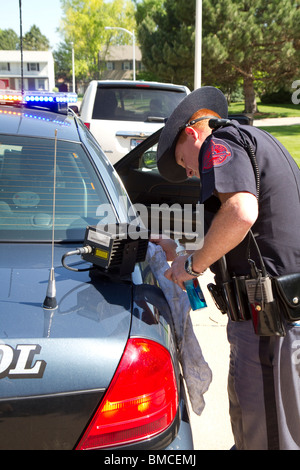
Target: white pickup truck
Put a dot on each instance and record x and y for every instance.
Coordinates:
(120, 114)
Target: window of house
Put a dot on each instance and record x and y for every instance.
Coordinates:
(33, 67)
(5, 66)
(110, 65)
(126, 65)
(41, 84)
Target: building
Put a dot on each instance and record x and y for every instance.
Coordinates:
(118, 62)
(38, 70)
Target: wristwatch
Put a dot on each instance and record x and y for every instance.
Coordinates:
(188, 266)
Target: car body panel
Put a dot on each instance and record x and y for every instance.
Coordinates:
(46, 422)
(87, 318)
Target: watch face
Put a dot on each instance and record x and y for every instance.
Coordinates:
(188, 265)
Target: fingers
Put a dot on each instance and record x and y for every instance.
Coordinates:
(168, 274)
(171, 276)
(169, 247)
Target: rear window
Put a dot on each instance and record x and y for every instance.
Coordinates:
(135, 104)
(26, 190)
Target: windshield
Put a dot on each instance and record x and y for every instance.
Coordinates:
(135, 104)
(26, 190)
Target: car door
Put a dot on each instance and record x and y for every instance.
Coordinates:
(146, 186)
(178, 203)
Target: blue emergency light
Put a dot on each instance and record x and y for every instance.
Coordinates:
(57, 102)
(42, 97)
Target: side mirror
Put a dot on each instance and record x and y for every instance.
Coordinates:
(149, 159)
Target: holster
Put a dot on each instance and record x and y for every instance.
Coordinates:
(231, 298)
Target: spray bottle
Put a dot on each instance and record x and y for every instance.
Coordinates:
(192, 286)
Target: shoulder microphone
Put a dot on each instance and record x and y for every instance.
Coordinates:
(216, 122)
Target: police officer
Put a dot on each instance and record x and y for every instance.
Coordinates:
(250, 186)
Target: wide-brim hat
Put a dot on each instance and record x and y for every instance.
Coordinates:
(207, 97)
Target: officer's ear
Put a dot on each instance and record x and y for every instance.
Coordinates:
(190, 131)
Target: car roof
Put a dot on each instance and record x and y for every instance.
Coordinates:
(138, 83)
(18, 120)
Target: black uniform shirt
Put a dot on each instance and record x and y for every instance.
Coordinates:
(226, 167)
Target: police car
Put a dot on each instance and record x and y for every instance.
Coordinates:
(88, 357)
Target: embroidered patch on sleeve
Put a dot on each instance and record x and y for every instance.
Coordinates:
(216, 155)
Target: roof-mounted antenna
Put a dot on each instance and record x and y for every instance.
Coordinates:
(50, 301)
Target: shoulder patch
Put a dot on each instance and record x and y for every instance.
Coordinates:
(217, 154)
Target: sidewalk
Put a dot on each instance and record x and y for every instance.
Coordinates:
(212, 430)
(287, 121)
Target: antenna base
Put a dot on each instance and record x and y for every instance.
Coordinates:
(50, 303)
(50, 299)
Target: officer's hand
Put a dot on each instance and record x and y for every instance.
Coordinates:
(177, 273)
(169, 246)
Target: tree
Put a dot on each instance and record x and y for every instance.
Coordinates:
(83, 23)
(256, 41)
(63, 61)
(34, 40)
(249, 41)
(166, 35)
(9, 40)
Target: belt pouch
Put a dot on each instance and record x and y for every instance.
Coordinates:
(287, 288)
(265, 315)
(266, 320)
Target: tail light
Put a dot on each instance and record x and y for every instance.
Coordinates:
(141, 400)
(88, 124)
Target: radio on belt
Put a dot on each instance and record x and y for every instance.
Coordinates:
(117, 248)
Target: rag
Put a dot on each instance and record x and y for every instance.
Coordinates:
(196, 372)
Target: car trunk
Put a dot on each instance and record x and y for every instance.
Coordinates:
(55, 365)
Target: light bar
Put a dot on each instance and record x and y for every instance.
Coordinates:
(56, 102)
(10, 96)
(42, 97)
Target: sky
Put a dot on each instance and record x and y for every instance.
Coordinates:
(45, 14)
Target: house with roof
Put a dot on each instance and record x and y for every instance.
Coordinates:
(117, 62)
(38, 70)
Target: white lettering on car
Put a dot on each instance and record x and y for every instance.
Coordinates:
(19, 362)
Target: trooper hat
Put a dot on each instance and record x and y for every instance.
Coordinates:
(202, 98)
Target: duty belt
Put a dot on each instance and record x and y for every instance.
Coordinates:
(250, 297)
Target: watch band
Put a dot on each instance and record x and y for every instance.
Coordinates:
(188, 266)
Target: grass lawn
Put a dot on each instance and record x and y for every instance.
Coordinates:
(268, 110)
(289, 136)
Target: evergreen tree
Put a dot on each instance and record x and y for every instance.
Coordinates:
(248, 41)
(166, 36)
(34, 40)
(255, 40)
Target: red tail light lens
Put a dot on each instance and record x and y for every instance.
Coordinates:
(88, 124)
(141, 400)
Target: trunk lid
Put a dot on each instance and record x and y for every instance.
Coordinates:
(63, 356)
